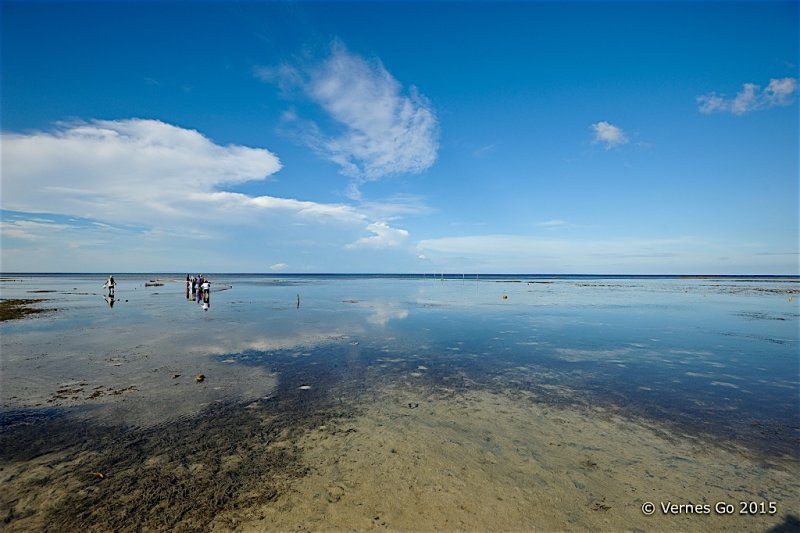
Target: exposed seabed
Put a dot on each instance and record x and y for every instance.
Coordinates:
(352, 447)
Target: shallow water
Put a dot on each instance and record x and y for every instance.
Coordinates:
(701, 358)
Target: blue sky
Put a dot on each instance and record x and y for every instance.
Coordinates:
(562, 137)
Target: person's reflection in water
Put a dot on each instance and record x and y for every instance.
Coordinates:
(109, 300)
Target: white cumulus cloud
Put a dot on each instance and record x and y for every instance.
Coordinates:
(383, 236)
(387, 129)
(779, 92)
(143, 191)
(122, 171)
(143, 172)
(608, 134)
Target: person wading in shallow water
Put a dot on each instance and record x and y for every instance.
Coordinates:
(205, 294)
(111, 284)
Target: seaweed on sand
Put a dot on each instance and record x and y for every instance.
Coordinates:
(180, 476)
(11, 309)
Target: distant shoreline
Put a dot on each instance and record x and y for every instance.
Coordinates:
(437, 275)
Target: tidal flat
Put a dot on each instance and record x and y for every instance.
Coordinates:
(399, 403)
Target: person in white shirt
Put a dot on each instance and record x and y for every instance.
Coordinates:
(111, 285)
(205, 288)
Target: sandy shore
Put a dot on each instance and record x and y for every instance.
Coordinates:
(402, 458)
(482, 461)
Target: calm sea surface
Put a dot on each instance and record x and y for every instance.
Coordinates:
(715, 356)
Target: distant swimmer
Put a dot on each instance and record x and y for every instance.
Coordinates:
(111, 285)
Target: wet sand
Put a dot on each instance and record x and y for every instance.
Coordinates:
(396, 456)
(480, 461)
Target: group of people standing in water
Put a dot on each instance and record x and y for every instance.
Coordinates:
(198, 287)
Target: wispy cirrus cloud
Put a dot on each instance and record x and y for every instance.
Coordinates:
(485, 149)
(395, 206)
(608, 134)
(555, 223)
(524, 253)
(779, 92)
(387, 129)
(31, 229)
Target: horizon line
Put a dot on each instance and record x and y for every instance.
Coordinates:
(435, 274)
